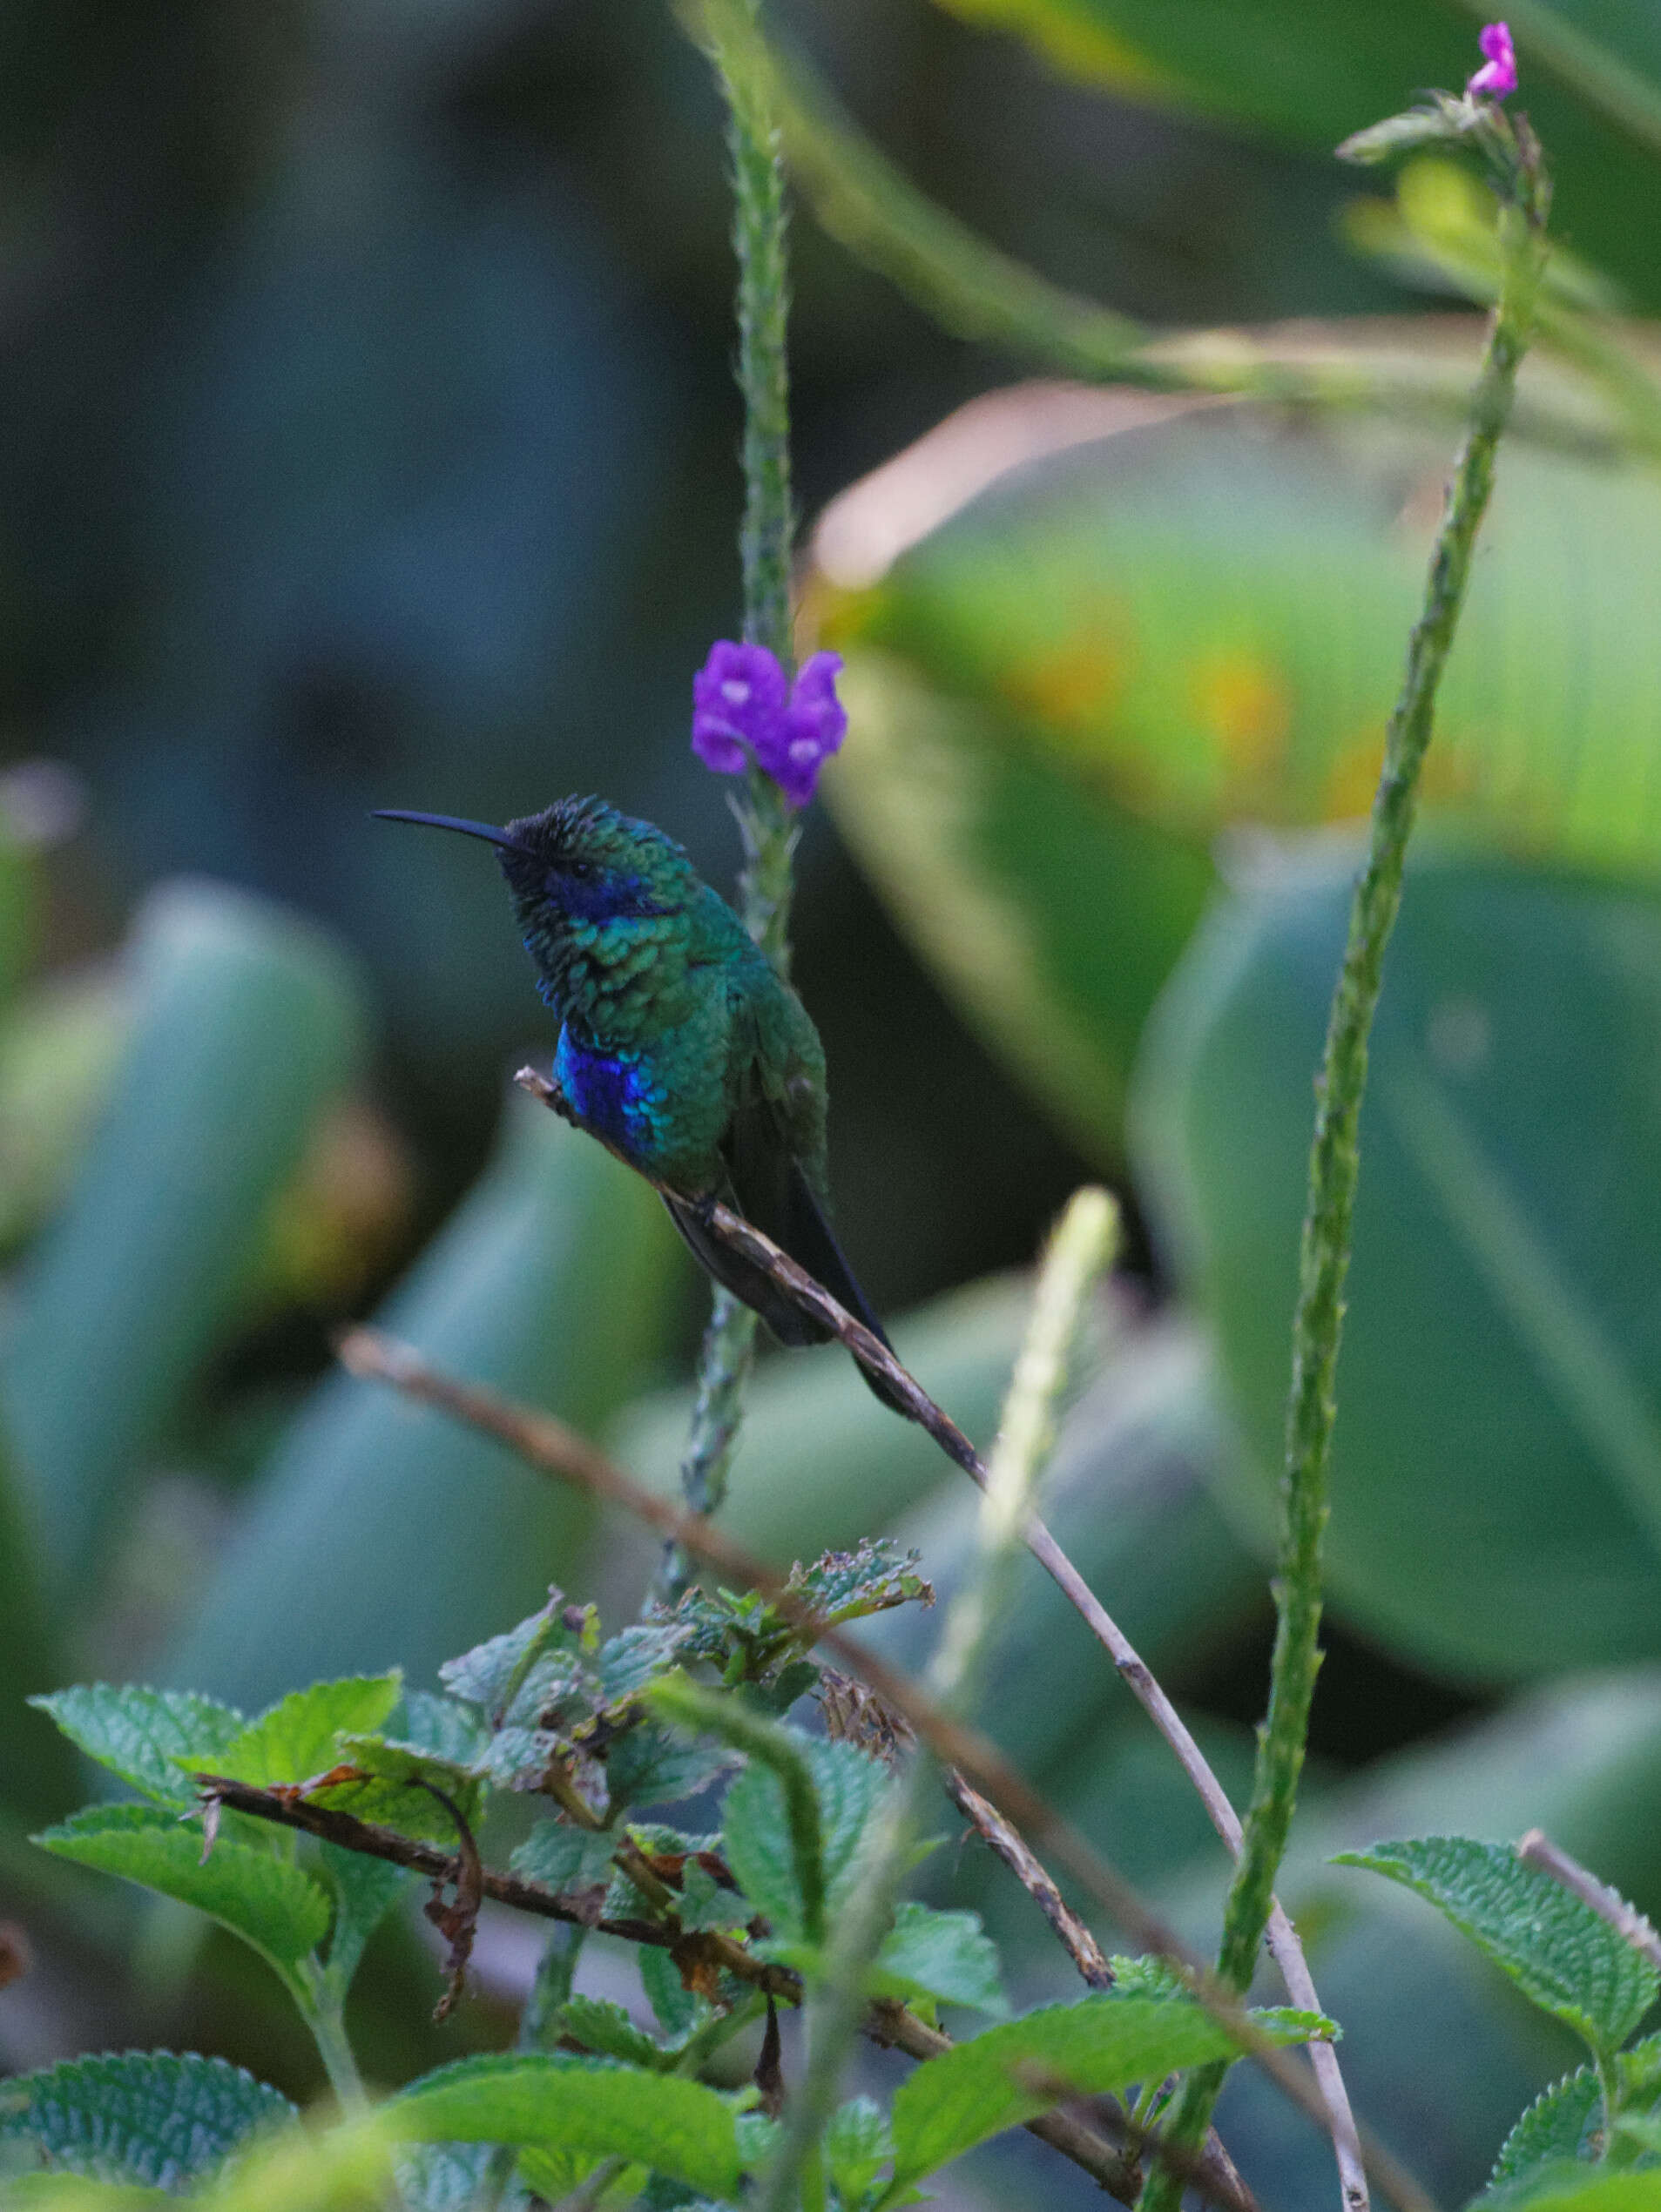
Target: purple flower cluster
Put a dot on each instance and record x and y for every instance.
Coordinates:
(1497, 75)
(742, 711)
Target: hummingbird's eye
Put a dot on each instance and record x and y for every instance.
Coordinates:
(581, 869)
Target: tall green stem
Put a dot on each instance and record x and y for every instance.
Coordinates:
(1334, 1157)
(766, 536)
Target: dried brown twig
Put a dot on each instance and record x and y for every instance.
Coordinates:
(554, 1448)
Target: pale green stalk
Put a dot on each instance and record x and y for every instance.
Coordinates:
(767, 538)
(1335, 1158)
(1081, 1249)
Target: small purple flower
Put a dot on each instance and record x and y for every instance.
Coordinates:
(1497, 75)
(741, 711)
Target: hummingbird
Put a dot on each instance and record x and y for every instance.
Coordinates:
(680, 1048)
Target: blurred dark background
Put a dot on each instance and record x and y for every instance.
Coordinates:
(373, 442)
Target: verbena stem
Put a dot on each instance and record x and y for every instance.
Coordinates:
(766, 536)
(1334, 1157)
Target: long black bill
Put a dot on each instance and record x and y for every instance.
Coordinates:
(486, 830)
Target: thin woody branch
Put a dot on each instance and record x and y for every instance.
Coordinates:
(1538, 1850)
(885, 2023)
(554, 1448)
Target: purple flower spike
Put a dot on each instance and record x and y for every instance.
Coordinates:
(741, 712)
(1497, 75)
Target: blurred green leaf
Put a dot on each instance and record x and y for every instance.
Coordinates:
(1311, 72)
(1100, 2046)
(365, 1892)
(269, 1901)
(756, 1837)
(386, 1531)
(564, 1857)
(1557, 1950)
(1164, 623)
(143, 1735)
(857, 2145)
(156, 2118)
(1593, 2191)
(1497, 1391)
(247, 1024)
(676, 2128)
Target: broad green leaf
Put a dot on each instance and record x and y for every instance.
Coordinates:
(1556, 1949)
(336, 1568)
(147, 1737)
(944, 1955)
(857, 2144)
(294, 1738)
(492, 1673)
(270, 1902)
(247, 1024)
(755, 1831)
(675, 2127)
(1099, 2047)
(160, 2119)
(629, 1660)
(564, 1857)
(650, 1766)
(1507, 1270)
(606, 2029)
(1563, 2122)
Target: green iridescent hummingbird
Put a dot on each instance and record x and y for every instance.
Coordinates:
(680, 1047)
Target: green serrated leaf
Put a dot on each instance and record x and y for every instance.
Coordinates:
(161, 2119)
(945, 1955)
(755, 1830)
(365, 1892)
(489, 1675)
(1556, 1949)
(145, 1735)
(1564, 2122)
(391, 1791)
(564, 1857)
(269, 1901)
(681, 2011)
(651, 1765)
(631, 1659)
(1011, 2073)
(675, 2127)
(294, 1738)
(857, 2144)
(444, 1726)
(873, 1578)
(606, 2029)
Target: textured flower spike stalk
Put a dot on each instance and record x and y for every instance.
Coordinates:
(744, 702)
(1511, 156)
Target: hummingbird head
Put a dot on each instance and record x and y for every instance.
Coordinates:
(578, 863)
